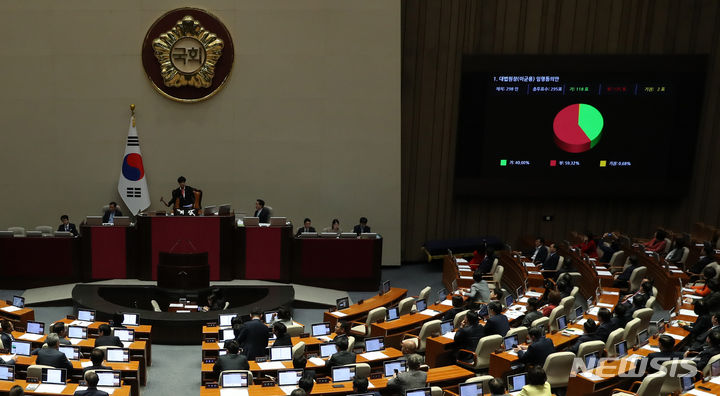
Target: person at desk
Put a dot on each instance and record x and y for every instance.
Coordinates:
(112, 212)
(606, 326)
(232, 360)
(712, 299)
(658, 243)
(654, 361)
(677, 250)
(700, 341)
(51, 356)
(479, 291)
(92, 380)
(306, 383)
(707, 258)
(342, 330)
(541, 251)
(554, 299)
(702, 323)
(307, 227)
(469, 334)
(97, 356)
(638, 303)
(457, 307)
(284, 316)
(106, 338)
(362, 227)
(588, 245)
(590, 334)
(254, 335)
(497, 323)
(262, 213)
(537, 383)
(551, 262)
(237, 328)
(532, 314)
(703, 290)
(486, 264)
(6, 335)
(360, 386)
(342, 356)
(411, 379)
(702, 358)
(282, 338)
(298, 392)
(216, 300)
(538, 350)
(623, 280)
(67, 226)
(17, 390)
(184, 195)
(497, 387)
(334, 227)
(59, 329)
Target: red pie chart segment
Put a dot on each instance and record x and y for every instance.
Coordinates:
(568, 134)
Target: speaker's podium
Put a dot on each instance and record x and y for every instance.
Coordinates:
(183, 270)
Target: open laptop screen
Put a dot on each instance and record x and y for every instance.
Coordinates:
(234, 380)
(54, 376)
(86, 315)
(320, 329)
(289, 377)
(374, 344)
(108, 378)
(343, 373)
(472, 389)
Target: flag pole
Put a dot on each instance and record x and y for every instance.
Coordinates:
(132, 113)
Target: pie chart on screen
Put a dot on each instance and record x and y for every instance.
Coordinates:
(577, 128)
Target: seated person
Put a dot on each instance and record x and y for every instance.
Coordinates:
(17, 390)
(112, 212)
(486, 264)
(92, 380)
(232, 360)
(67, 226)
(360, 385)
(282, 338)
(537, 383)
(588, 245)
(623, 280)
(97, 356)
(677, 250)
(702, 323)
(457, 303)
(469, 334)
(307, 227)
(284, 316)
(51, 356)
(342, 330)
(6, 335)
(497, 323)
(301, 363)
(298, 392)
(551, 262)
(479, 291)
(590, 334)
(657, 244)
(554, 299)
(59, 329)
(708, 273)
(106, 339)
(215, 301)
(700, 342)
(638, 303)
(342, 356)
(411, 379)
(497, 387)
(362, 227)
(606, 326)
(538, 350)
(261, 212)
(478, 256)
(702, 358)
(564, 285)
(184, 195)
(541, 251)
(712, 299)
(306, 383)
(532, 314)
(707, 258)
(656, 359)
(408, 347)
(334, 227)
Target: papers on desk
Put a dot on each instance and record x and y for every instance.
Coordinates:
(233, 391)
(692, 296)
(697, 392)
(462, 260)
(316, 361)
(512, 352)
(593, 311)
(604, 305)
(30, 337)
(534, 273)
(675, 336)
(715, 380)
(370, 385)
(573, 331)
(533, 294)
(49, 388)
(287, 389)
(464, 268)
(446, 302)
(581, 321)
(604, 273)
(673, 267)
(126, 344)
(324, 338)
(512, 314)
(271, 365)
(687, 290)
(465, 277)
(10, 308)
(109, 390)
(182, 311)
(651, 348)
(523, 299)
(6, 358)
(220, 345)
(589, 375)
(429, 312)
(450, 335)
(75, 341)
(338, 314)
(374, 355)
(175, 305)
(634, 357)
(530, 264)
(676, 271)
(611, 293)
(81, 323)
(85, 364)
(687, 312)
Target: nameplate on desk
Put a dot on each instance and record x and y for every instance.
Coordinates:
(32, 380)
(322, 380)
(376, 375)
(304, 335)
(268, 384)
(210, 360)
(211, 324)
(261, 359)
(361, 301)
(211, 385)
(211, 340)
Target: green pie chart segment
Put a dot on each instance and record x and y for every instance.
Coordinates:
(578, 128)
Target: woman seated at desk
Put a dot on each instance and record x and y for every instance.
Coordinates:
(335, 227)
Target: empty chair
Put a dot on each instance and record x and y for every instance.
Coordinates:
(645, 315)
(568, 303)
(375, 315)
(351, 343)
(427, 330)
(35, 370)
(673, 370)
(614, 337)
(17, 231)
(155, 305)
(706, 369)
(650, 386)
(459, 318)
(484, 349)
(556, 313)
(298, 350)
(557, 367)
(425, 294)
(576, 277)
(616, 261)
(521, 331)
(405, 305)
(590, 347)
(361, 369)
(294, 330)
(480, 378)
(249, 374)
(541, 322)
(631, 331)
(436, 391)
(497, 276)
(45, 230)
(686, 252)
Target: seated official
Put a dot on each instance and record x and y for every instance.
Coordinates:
(254, 335)
(538, 350)
(677, 250)
(554, 299)
(497, 387)
(588, 245)
(457, 303)
(658, 243)
(532, 314)
(469, 334)
(112, 212)
(67, 226)
(300, 362)
(51, 356)
(16, 390)
(6, 335)
(606, 326)
(708, 273)
(564, 286)
(497, 323)
(620, 318)
(703, 322)
(551, 262)
(537, 383)
(261, 212)
(334, 227)
(232, 360)
(360, 386)
(479, 291)
(623, 280)
(707, 258)
(655, 360)
(306, 383)
(106, 339)
(701, 359)
(701, 340)
(712, 299)
(342, 330)
(284, 316)
(298, 392)
(92, 380)
(97, 356)
(184, 195)
(590, 334)
(411, 379)
(307, 227)
(362, 227)
(215, 301)
(541, 251)
(486, 264)
(282, 338)
(638, 303)
(60, 329)
(342, 356)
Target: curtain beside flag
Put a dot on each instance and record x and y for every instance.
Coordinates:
(132, 185)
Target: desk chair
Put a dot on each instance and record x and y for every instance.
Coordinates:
(521, 331)
(553, 273)
(568, 304)
(155, 305)
(683, 259)
(650, 386)
(590, 347)
(361, 369)
(480, 378)
(35, 370)
(636, 278)
(249, 374)
(650, 302)
(17, 231)
(428, 329)
(716, 267)
(575, 292)
(668, 244)
(363, 329)
(614, 337)
(46, 231)
(631, 331)
(425, 293)
(294, 330)
(544, 321)
(557, 367)
(497, 276)
(576, 277)
(298, 350)
(673, 370)
(405, 305)
(459, 318)
(436, 391)
(706, 369)
(556, 313)
(645, 315)
(481, 357)
(614, 265)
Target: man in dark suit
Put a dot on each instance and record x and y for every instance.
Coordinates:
(342, 356)
(59, 329)
(254, 335)
(606, 326)
(6, 336)
(539, 349)
(638, 303)
(362, 227)
(655, 360)
(411, 379)
(532, 314)
(702, 358)
(589, 335)
(457, 303)
(551, 262)
(51, 356)
(97, 356)
(111, 213)
(620, 316)
(106, 339)
(497, 323)
(486, 264)
(282, 338)
(622, 280)
(342, 330)
(67, 225)
(184, 195)
(92, 380)
(307, 227)
(700, 341)
(360, 386)
(232, 360)
(469, 334)
(541, 251)
(261, 212)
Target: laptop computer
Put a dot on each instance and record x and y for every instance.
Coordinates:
(621, 349)
(516, 382)
(390, 366)
(109, 378)
(125, 335)
(71, 352)
(374, 344)
(21, 348)
(289, 377)
(562, 322)
(368, 235)
(592, 360)
(328, 235)
(278, 221)
(251, 221)
(234, 379)
(715, 368)
(210, 210)
(269, 316)
(421, 305)
(471, 389)
(78, 332)
(121, 355)
(18, 301)
(308, 235)
(86, 315)
(320, 329)
(510, 342)
(224, 209)
(509, 300)
(392, 314)
(226, 334)
(54, 376)
(343, 373)
(642, 338)
(327, 349)
(520, 292)
(121, 221)
(446, 326)
(35, 327)
(130, 319)
(93, 220)
(7, 373)
(342, 303)
(225, 319)
(579, 312)
(418, 392)
(280, 353)
(687, 382)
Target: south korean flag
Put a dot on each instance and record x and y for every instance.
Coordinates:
(132, 185)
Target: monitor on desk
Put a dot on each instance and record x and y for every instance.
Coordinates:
(226, 319)
(348, 235)
(109, 378)
(642, 338)
(119, 355)
(71, 352)
(308, 235)
(592, 360)
(589, 302)
(374, 344)
(510, 342)
(328, 235)
(270, 316)
(446, 326)
(224, 210)
(35, 327)
(392, 313)
(226, 335)
(130, 319)
(562, 322)
(688, 382)
(281, 353)
(327, 349)
(385, 287)
(661, 326)
(21, 348)
(125, 335)
(368, 235)
(421, 305)
(621, 349)
(86, 315)
(234, 379)
(509, 300)
(520, 292)
(516, 382)
(78, 332)
(121, 221)
(442, 295)
(343, 373)
(93, 220)
(342, 303)
(251, 221)
(7, 373)
(715, 368)
(471, 389)
(18, 301)
(579, 312)
(391, 366)
(279, 222)
(320, 329)
(289, 377)
(54, 376)
(210, 210)
(419, 392)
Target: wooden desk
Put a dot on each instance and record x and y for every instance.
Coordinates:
(357, 312)
(713, 388)
(39, 261)
(394, 330)
(69, 389)
(142, 333)
(666, 281)
(609, 372)
(500, 363)
(20, 316)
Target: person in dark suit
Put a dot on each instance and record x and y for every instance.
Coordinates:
(260, 211)
(106, 339)
(307, 227)
(215, 300)
(51, 356)
(6, 336)
(254, 335)
(59, 329)
(97, 356)
(67, 225)
(362, 227)
(622, 280)
(342, 356)
(300, 362)
(342, 330)
(702, 358)
(551, 262)
(606, 326)
(184, 195)
(620, 316)
(486, 264)
(638, 303)
(457, 303)
(232, 360)
(469, 334)
(703, 322)
(541, 251)
(539, 349)
(497, 323)
(360, 386)
(237, 329)
(111, 213)
(411, 379)
(282, 338)
(17, 390)
(92, 380)
(700, 341)
(532, 314)
(655, 360)
(590, 335)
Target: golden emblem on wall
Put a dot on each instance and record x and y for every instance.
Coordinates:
(188, 54)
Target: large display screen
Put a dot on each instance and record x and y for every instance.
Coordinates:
(578, 125)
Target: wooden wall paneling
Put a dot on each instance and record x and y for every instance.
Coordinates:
(533, 27)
